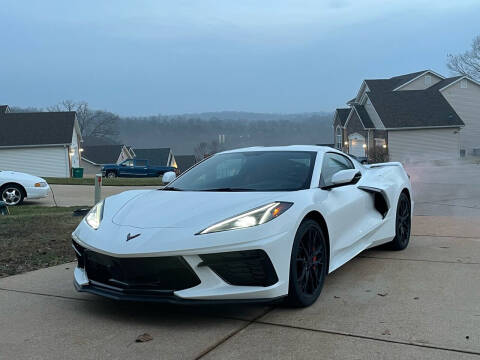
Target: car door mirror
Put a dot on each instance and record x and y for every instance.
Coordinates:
(168, 177)
(345, 177)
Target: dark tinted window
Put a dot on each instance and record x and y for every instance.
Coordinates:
(140, 163)
(128, 163)
(333, 163)
(251, 171)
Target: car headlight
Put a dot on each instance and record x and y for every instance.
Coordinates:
(40, 184)
(95, 215)
(254, 217)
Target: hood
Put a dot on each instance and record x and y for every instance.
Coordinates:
(188, 209)
(18, 176)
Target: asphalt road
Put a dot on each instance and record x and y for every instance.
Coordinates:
(421, 303)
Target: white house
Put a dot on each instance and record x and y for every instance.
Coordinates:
(46, 144)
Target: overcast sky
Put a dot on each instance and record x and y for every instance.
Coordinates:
(151, 57)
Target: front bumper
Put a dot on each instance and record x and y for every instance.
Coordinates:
(37, 192)
(234, 276)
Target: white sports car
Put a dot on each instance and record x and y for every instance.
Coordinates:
(16, 186)
(253, 224)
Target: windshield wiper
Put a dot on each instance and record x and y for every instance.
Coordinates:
(229, 189)
(171, 188)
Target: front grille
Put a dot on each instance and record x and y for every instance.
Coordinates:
(243, 268)
(142, 273)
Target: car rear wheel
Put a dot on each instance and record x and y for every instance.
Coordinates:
(403, 224)
(12, 195)
(111, 175)
(308, 265)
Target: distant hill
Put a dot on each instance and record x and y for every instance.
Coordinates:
(244, 115)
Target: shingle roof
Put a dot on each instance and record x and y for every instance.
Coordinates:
(3, 109)
(364, 117)
(342, 115)
(39, 128)
(414, 108)
(444, 83)
(184, 162)
(155, 157)
(392, 83)
(102, 154)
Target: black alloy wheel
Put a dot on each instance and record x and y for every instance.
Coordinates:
(403, 223)
(308, 264)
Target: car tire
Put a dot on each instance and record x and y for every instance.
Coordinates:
(403, 224)
(308, 265)
(111, 175)
(12, 195)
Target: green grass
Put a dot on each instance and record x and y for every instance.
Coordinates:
(34, 237)
(152, 181)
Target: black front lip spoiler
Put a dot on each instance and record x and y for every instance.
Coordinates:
(166, 297)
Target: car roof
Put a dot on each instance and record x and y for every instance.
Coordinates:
(319, 149)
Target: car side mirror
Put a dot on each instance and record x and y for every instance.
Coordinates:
(344, 177)
(168, 177)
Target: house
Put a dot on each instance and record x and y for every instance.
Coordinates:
(410, 117)
(156, 157)
(44, 144)
(185, 162)
(94, 157)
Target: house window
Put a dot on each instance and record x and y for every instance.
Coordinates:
(428, 80)
(339, 138)
(463, 84)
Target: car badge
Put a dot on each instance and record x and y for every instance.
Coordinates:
(130, 237)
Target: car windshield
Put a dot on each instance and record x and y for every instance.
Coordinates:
(250, 171)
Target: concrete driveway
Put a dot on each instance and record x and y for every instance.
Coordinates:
(421, 303)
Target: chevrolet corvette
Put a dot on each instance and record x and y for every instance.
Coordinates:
(246, 225)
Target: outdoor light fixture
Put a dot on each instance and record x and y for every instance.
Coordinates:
(364, 146)
(345, 143)
(81, 150)
(384, 146)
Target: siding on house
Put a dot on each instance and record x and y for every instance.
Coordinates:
(89, 170)
(40, 161)
(425, 144)
(419, 84)
(466, 103)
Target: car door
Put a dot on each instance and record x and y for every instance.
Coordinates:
(346, 210)
(126, 168)
(140, 168)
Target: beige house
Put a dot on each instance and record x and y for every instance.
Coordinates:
(411, 117)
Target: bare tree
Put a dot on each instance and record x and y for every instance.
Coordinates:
(201, 151)
(467, 63)
(93, 123)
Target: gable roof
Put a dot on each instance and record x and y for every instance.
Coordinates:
(414, 108)
(37, 128)
(342, 115)
(3, 109)
(364, 117)
(443, 83)
(102, 154)
(393, 82)
(155, 157)
(185, 162)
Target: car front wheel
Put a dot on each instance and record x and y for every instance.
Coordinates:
(308, 265)
(12, 195)
(111, 175)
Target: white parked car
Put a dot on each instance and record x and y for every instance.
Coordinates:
(16, 186)
(252, 224)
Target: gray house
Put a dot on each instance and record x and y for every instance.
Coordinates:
(411, 117)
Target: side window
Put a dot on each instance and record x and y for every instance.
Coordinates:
(128, 163)
(140, 163)
(333, 163)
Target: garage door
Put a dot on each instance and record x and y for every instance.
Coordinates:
(356, 143)
(420, 145)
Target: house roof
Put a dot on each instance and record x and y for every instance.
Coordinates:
(342, 115)
(37, 128)
(184, 162)
(3, 109)
(392, 83)
(364, 117)
(414, 108)
(102, 154)
(444, 82)
(155, 157)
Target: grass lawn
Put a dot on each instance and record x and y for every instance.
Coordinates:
(152, 181)
(34, 237)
